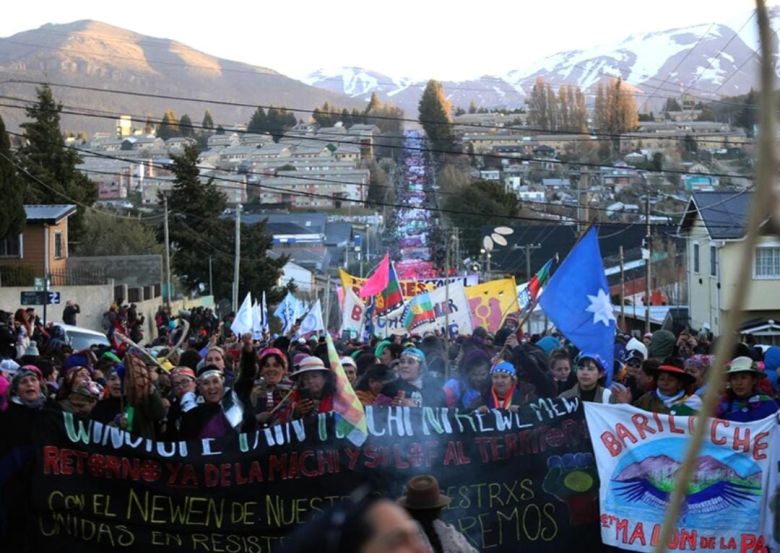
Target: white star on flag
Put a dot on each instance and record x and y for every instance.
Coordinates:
(601, 307)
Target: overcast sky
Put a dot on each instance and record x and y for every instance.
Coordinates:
(414, 38)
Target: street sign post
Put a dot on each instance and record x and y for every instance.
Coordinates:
(39, 297)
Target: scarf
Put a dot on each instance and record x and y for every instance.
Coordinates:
(669, 400)
(503, 403)
(35, 404)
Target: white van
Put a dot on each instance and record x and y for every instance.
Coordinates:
(80, 338)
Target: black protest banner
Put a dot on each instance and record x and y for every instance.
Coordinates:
(518, 481)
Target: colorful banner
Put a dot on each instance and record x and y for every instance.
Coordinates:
(638, 455)
(491, 302)
(453, 311)
(518, 481)
(409, 288)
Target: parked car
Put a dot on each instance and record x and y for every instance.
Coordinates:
(80, 338)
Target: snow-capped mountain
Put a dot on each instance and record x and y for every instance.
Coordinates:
(706, 61)
(356, 82)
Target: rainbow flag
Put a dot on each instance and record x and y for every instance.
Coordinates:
(391, 297)
(349, 412)
(419, 311)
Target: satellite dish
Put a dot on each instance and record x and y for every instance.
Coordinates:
(498, 239)
(506, 231)
(487, 243)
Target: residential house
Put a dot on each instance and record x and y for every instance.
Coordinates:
(701, 180)
(223, 140)
(43, 244)
(714, 229)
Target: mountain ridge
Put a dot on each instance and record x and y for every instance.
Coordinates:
(95, 54)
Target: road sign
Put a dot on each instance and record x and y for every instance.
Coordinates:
(38, 297)
(38, 284)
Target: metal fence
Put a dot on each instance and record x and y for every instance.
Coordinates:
(26, 276)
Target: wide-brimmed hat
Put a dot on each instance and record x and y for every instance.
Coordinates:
(675, 367)
(422, 493)
(309, 364)
(743, 364)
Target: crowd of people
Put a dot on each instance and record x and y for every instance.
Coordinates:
(198, 380)
(211, 382)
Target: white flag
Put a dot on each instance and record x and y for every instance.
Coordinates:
(313, 320)
(264, 314)
(257, 321)
(243, 321)
(353, 315)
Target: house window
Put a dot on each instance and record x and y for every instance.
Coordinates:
(713, 261)
(11, 246)
(695, 258)
(767, 263)
(58, 246)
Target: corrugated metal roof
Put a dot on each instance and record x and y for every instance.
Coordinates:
(48, 212)
(724, 213)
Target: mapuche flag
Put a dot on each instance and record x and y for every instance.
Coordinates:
(383, 285)
(419, 311)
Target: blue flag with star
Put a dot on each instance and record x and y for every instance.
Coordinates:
(576, 299)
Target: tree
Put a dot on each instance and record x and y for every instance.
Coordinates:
(185, 126)
(279, 122)
(12, 214)
(109, 234)
(672, 105)
(374, 103)
(435, 117)
(472, 106)
(220, 129)
(208, 121)
(198, 231)
(474, 204)
(49, 167)
(258, 124)
(149, 126)
(615, 108)
(747, 114)
(169, 126)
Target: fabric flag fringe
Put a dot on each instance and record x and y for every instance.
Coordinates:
(349, 411)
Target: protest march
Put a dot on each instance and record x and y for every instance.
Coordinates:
(429, 403)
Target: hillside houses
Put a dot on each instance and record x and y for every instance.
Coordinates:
(329, 157)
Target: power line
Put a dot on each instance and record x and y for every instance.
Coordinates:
(454, 152)
(310, 111)
(255, 72)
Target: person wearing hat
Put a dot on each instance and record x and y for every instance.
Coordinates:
(672, 392)
(506, 392)
(417, 386)
(743, 402)
(82, 399)
(262, 384)
(350, 369)
(590, 374)
(424, 502)
(314, 388)
(221, 412)
(697, 366)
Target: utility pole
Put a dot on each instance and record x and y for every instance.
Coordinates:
(622, 293)
(211, 279)
(168, 253)
(582, 206)
(528, 248)
(327, 302)
(648, 262)
(236, 263)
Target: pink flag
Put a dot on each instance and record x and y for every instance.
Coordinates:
(377, 282)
